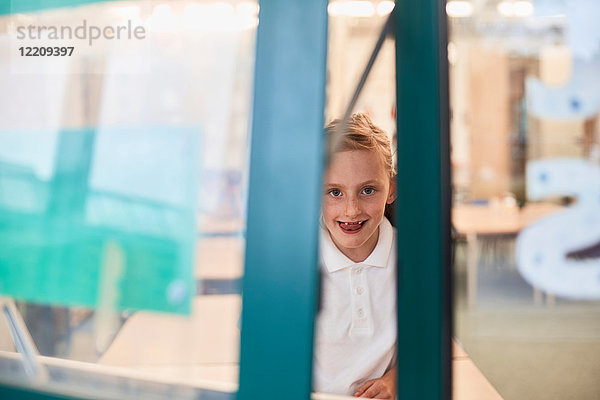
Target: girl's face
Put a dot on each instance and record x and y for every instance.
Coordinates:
(357, 188)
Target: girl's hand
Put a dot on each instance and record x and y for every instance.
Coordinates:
(381, 388)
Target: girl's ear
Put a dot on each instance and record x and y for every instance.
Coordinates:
(392, 193)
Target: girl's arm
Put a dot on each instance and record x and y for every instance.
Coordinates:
(381, 388)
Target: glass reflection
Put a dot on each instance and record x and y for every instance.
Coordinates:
(123, 195)
(524, 139)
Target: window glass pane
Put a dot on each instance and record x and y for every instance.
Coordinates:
(355, 330)
(123, 179)
(525, 158)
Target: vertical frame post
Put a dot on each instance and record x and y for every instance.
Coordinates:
(287, 154)
(424, 286)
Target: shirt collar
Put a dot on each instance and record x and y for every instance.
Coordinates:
(333, 259)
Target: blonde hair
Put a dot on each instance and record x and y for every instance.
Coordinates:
(360, 133)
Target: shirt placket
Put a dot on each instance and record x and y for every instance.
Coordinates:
(361, 308)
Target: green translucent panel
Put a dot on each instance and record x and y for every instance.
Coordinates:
(26, 6)
(113, 227)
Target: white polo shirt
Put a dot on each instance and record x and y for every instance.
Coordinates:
(356, 327)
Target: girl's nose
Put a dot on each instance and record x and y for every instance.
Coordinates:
(352, 208)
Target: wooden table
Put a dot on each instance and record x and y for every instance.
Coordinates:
(477, 220)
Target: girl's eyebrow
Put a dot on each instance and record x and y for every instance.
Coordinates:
(369, 182)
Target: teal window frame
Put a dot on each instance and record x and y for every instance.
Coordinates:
(424, 201)
(287, 153)
(280, 284)
(25, 6)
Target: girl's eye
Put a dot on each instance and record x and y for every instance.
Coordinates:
(369, 190)
(335, 192)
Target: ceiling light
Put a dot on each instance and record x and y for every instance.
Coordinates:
(459, 8)
(506, 8)
(385, 7)
(523, 9)
(515, 8)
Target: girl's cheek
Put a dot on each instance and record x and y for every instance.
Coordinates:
(328, 205)
(377, 198)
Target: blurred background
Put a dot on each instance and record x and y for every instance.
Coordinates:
(524, 142)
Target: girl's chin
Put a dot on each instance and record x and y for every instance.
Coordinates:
(351, 242)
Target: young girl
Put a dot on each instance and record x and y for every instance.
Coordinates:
(355, 346)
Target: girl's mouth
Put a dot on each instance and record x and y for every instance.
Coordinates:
(351, 227)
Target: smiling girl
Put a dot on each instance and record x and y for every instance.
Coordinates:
(356, 327)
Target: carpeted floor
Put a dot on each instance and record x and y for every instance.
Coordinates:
(528, 351)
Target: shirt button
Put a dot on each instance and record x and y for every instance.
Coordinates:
(359, 290)
(360, 312)
(358, 270)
